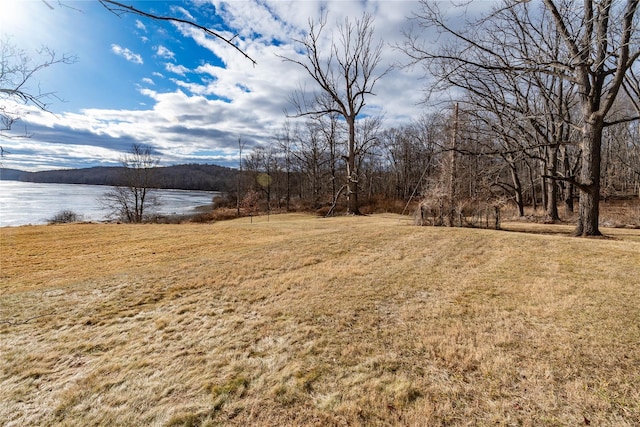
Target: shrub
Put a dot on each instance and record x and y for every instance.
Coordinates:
(225, 200)
(64, 217)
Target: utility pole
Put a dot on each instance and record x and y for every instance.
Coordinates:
(452, 167)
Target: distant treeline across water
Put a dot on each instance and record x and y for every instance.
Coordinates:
(182, 177)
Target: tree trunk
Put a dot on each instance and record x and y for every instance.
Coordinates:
(569, 187)
(517, 188)
(534, 200)
(589, 210)
(352, 173)
(552, 186)
(543, 184)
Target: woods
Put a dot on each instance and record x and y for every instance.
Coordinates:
(414, 160)
(530, 105)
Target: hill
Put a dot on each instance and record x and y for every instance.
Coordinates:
(183, 177)
(307, 321)
(12, 174)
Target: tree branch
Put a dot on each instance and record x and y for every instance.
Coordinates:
(118, 9)
(569, 179)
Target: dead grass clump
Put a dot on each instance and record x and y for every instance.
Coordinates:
(298, 320)
(223, 214)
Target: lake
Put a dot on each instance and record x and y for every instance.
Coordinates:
(24, 203)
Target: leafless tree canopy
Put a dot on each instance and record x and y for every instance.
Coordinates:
(345, 75)
(131, 200)
(547, 69)
(18, 84)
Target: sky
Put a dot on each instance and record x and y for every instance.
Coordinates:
(188, 96)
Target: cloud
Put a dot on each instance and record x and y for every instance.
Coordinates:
(267, 32)
(176, 69)
(140, 25)
(194, 88)
(182, 128)
(126, 54)
(148, 81)
(182, 11)
(164, 52)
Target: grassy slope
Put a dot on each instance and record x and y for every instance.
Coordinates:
(306, 321)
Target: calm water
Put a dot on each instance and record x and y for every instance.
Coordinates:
(34, 203)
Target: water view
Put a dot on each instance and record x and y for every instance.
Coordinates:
(24, 203)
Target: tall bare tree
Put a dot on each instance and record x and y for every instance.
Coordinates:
(591, 46)
(345, 75)
(284, 142)
(602, 50)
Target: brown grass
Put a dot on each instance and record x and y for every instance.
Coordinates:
(309, 321)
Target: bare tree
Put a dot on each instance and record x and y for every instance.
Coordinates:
(311, 154)
(346, 76)
(591, 46)
(332, 130)
(631, 88)
(264, 161)
(131, 200)
(601, 50)
(409, 151)
(284, 142)
(368, 152)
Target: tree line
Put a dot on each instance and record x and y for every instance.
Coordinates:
(182, 177)
(306, 167)
(543, 104)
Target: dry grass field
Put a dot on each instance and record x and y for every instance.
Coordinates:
(306, 321)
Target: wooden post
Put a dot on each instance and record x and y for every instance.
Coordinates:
(240, 147)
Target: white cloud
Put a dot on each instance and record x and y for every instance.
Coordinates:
(182, 11)
(176, 69)
(180, 126)
(126, 54)
(272, 80)
(148, 81)
(164, 52)
(194, 88)
(140, 25)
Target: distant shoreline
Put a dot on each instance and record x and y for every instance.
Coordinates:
(198, 177)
